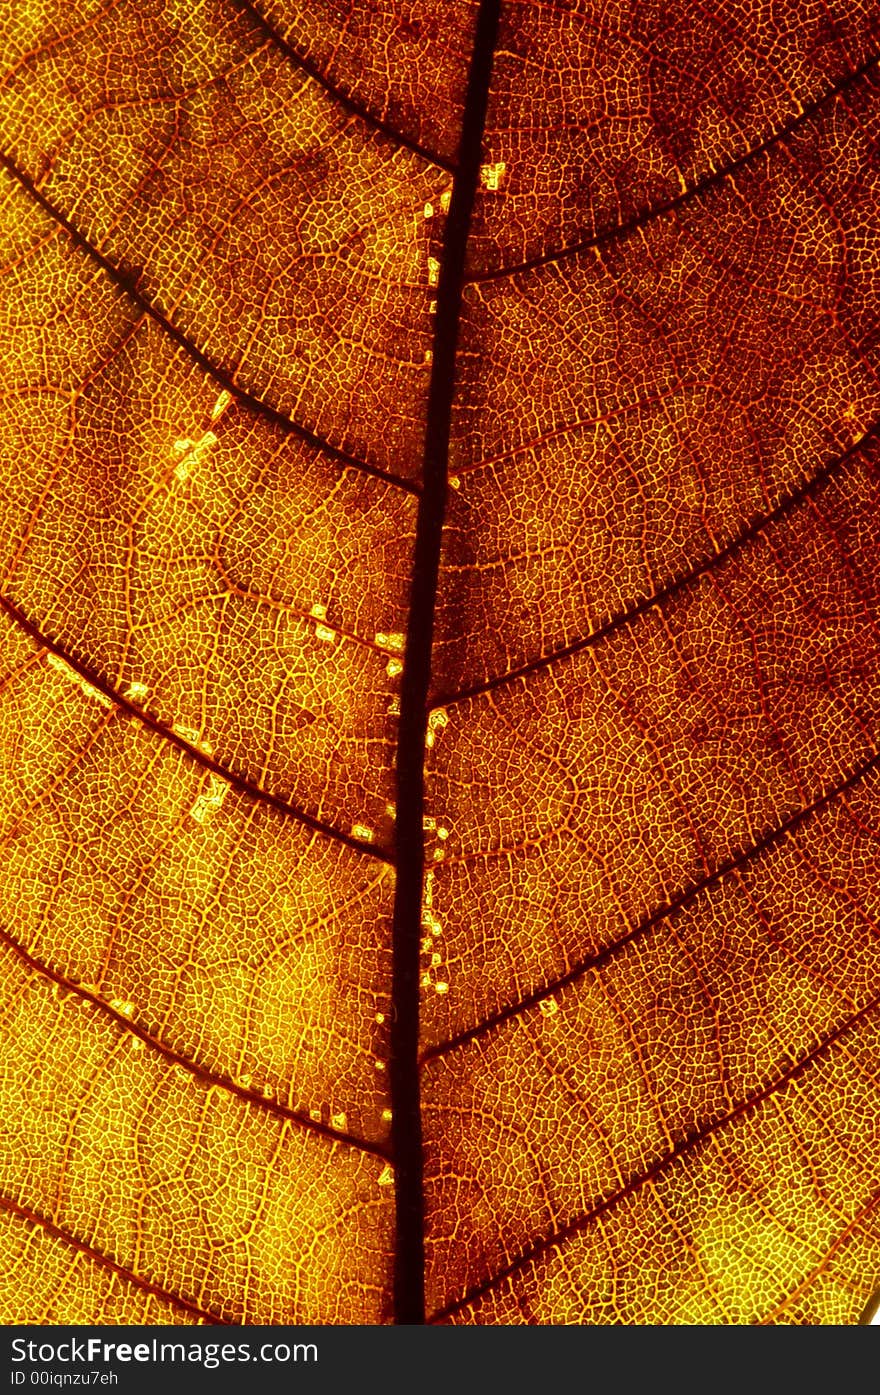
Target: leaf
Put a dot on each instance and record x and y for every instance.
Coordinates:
(440, 663)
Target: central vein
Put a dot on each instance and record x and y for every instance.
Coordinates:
(406, 1129)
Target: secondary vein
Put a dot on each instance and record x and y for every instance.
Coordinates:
(167, 733)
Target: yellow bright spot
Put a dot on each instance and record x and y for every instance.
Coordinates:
(361, 830)
(220, 405)
(548, 1006)
(437, 720)
(386, 1176)
(95, 694)
(433, 271)
(441, 988)
(72, 676)
(393, 668)
(61, 667)
(325, 634)
(192, 453)
(204, 444)
(492, 175)
(209, 800)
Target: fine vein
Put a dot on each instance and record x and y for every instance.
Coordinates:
(25, 1213)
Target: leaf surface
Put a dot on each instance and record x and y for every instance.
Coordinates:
(440, 663)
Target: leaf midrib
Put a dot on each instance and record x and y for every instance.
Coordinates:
(404, 1075)
(431, 510)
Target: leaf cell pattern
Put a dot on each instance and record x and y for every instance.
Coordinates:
(439, 668)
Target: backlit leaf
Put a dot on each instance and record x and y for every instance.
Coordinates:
(440, 662)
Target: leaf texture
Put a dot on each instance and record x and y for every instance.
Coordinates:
(440, 653)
